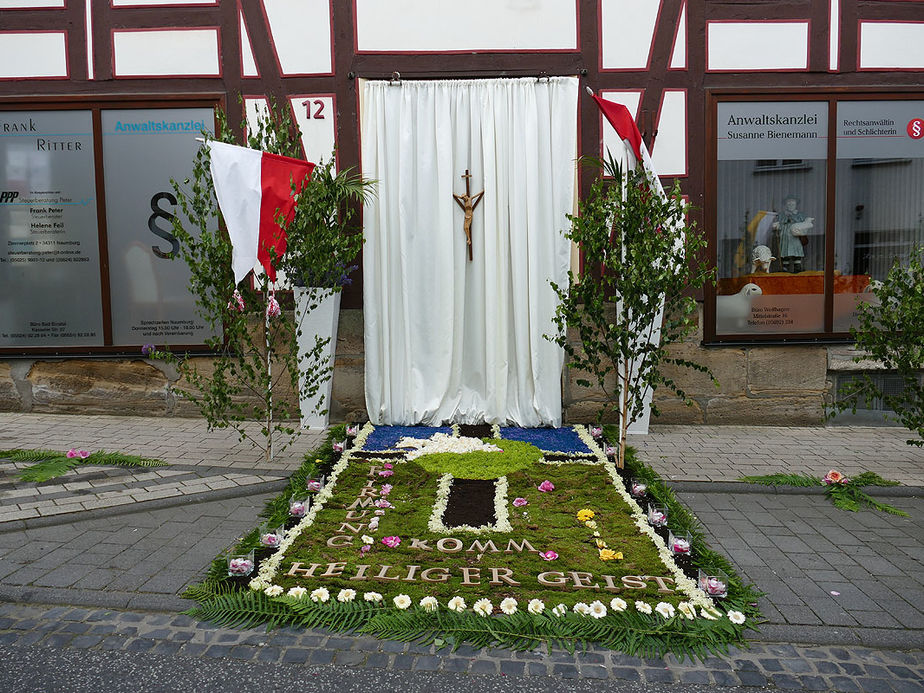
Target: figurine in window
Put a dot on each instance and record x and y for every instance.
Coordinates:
(793, 227)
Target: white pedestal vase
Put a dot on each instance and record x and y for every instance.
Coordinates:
(320, 322)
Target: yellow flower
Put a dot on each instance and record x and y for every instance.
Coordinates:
(585, 514)
(600, 543)
(610, 555)
(591, 524)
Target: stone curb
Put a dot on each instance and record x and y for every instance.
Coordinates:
(127, 601)
(904, 639)
(141, 506)
(738, 487)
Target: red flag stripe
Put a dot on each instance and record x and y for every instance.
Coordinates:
(277, 173)
(623, 122)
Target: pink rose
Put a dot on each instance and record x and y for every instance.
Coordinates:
(386, 489)
(596, 431)
(388, 465)
(338, 447)
(520, 502)
(546, 486)
(611, 451)
(391, 542)
(835, 477)
(382, 503)
(386, 473)
(352, 431)
(314, 485)
(548, 555)
(74, 452)
(270, 539)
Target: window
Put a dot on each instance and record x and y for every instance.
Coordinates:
(86, 206)
(785, 197)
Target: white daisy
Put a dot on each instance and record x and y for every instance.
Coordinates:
(366, 539)
(597, 609)
(643, 607)
(581, 608)
(320, 595)
(535, 606)
(346, 595)
(273, 591)
(736, 617)
(483, 607)
(560, 610)
(509, 606)
(372, 597)
(297, 592)
(710, 614)
(402, 601)
(429, 604)
(456, 604)
(665, 609)
(687, 610)
(617, 604)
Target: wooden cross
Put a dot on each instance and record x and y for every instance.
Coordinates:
(468, 204)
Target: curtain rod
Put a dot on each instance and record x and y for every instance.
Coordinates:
(395, 77)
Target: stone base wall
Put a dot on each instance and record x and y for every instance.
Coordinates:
(767, 385)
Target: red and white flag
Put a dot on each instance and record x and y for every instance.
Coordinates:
(622, 121)
(253, 188)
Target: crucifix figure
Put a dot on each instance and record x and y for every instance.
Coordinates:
(468, 204)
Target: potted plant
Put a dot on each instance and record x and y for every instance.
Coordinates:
(323, 245)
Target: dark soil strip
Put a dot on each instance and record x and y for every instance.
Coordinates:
(476, 431)
(471, 502)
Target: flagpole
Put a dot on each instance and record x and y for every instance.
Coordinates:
(269, 375)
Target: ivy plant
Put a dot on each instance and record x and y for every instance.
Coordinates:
(630, 301)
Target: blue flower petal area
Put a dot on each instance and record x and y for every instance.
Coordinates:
(548, 439)
(386, 437)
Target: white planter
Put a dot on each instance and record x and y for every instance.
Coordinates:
(320, 322)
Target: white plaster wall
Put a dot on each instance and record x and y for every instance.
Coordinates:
(166, 53)
(425, 25)
(669, 154)
(301, 34)
(757, 45)
(25, 55)
(892, 45)
(627, 28)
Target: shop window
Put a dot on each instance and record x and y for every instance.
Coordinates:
(781, 202)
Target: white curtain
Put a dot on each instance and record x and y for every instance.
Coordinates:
(448, 339)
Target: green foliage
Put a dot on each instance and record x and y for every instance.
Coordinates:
(639, 252)
(783, 480)
(254, 354)
(891, 331)
(849, 496)
(51, 463)
(482, 465)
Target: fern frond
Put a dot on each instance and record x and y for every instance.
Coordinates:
(49, 469)
(19, 455)
(802, 480)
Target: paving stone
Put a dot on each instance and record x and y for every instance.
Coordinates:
(295, 655)
(842, 683)
(403, 662)
(455, 664)
(874, 685)
(625, 673)
(321, 657)
(695, 677)
(482, 666)
(510, 667)
(427, 663)
(658, 676)
(565, 671)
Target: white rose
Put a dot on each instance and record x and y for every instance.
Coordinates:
(456, 604)
(687, 610)
(581, 608)
(320, 595)
(617, 604)
(346, 595)
(372, 597)
(297, 592)
(643, 607)
(509, 606)
(273, 591)
(402, 601)
(535, 606)
(429, 604)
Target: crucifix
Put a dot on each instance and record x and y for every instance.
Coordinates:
(468, 204)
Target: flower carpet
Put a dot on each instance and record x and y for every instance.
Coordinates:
(526, 537)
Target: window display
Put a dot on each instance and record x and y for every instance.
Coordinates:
(770, 198)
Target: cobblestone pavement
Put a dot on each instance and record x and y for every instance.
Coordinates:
(726, 453)
(844, 590)
(201, 462)
(818, 668)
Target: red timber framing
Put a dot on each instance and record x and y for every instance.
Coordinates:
(348, 63)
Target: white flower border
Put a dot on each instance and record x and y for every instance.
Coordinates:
(501, 512)
(683, 583)
(270, 566)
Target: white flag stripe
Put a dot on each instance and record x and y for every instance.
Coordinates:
(236, 175)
